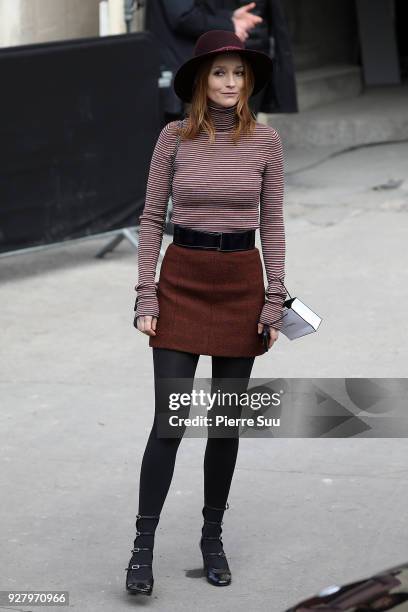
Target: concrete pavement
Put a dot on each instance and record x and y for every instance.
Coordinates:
(77, 405)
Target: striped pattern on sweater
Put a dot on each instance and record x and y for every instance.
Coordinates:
(221, 187)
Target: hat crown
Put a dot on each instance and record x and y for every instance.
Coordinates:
(217, 40)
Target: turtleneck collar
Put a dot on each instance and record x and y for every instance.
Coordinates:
(224, 118)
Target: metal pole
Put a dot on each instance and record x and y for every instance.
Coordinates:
(130, 7)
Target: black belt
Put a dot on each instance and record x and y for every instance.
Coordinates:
(218, 241)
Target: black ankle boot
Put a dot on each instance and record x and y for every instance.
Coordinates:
(215, 562)
(139, 578)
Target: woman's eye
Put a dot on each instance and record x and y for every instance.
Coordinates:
(240, 72)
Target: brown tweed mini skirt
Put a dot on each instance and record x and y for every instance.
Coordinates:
(210, 302)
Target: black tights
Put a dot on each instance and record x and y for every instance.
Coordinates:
(160, 454)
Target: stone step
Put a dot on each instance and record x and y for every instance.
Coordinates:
(379, 114)
(318, 86)
(306, 56)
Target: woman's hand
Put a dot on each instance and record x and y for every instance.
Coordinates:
(273, 336)
(147, 324)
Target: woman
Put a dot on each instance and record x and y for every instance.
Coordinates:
(210, 298)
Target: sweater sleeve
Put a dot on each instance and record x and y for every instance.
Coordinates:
(152, 220)
(272, 233)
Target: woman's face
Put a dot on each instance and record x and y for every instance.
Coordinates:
(226, 79)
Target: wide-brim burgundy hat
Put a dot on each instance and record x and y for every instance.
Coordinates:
(214, 42)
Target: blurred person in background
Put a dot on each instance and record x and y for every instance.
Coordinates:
(261, 25)
(271, 35)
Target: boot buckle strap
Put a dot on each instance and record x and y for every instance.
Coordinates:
(154, 516)
(140, 548)
(134, 567)
(214, 508)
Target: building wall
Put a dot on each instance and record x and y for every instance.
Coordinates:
(33, 21)
(322, 31)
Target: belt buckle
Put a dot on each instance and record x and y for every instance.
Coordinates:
(219, 247)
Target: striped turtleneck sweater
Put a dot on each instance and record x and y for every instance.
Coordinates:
(218, 187)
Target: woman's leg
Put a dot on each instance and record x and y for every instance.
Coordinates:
(219, 464)
(221, 453)
(158, 462)
(160, 453)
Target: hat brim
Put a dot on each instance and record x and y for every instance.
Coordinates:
(261, 63)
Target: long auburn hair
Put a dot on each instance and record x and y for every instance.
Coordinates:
(198, 116)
